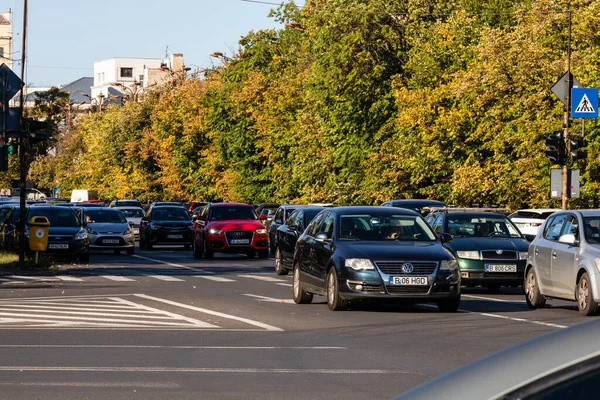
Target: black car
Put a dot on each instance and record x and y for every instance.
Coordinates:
(166, 225)
(414, 204)
(281, 216)
(66, 235)
(287, 235)
(352, 253)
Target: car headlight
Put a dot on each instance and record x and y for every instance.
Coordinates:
(468, 254)
(214, 231)
(127, 231)
(359, 264)
(155, 227)
(82, 234)
(90, 231)
(261, 231)
(449, 265)
(523, 255)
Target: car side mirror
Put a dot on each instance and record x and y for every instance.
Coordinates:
(321, 236)
(292, 228)
(446, 237)
(569, 239)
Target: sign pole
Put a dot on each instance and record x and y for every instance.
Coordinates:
(569, 84)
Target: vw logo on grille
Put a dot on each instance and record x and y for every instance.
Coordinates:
(408, 268)
(499, 252)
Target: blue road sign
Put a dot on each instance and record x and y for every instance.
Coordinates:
(13, 82)
(584, 103)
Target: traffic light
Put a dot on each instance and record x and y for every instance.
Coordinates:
(556, 148)
(12, 147)
(576, 152)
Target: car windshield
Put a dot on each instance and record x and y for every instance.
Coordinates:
(170, 214)
(226, 213)
(104, 217)
(592, 229)
(464, 226)
(132, 212)
(127, 203)
(381, 227)
(309, 215)
(57, 216)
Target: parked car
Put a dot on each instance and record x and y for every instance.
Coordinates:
(351, 253)
(266, 211)
(83, 195)
(108, 230)
(133, 215)
(166, 203)
(564, 260)
(195, 204)
(229, 228)
(561, 365)
(281, 215)
(66, 235)
(287, 235)
(529, 221)
(417, 205)
(8, 228)
(125, 203)
(166, 225)
(488, 246)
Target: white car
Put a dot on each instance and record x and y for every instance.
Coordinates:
(134, 215)
(529, 221)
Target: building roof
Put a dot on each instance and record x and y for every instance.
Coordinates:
(77, 88)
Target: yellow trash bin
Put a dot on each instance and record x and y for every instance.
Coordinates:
(38, 233)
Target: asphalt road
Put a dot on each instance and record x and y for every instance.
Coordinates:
(163, 325)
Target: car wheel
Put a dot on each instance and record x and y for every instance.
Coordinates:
(208, 253)
(84, 258)
(585, 301)
(533, 297)
(449, 305)
(279, 268)
(263, 254)
(299, 294)
(196, 251)
(334, 301)
(142, 243)
(250, 254)
(131, 251)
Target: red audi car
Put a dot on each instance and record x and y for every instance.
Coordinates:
(229, 228)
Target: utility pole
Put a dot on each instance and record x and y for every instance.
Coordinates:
(22, 144)
(569, 84)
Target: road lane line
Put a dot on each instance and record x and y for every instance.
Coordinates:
(58, 318)
(262, 278)
(325, 371)
(194, 321)
(173, 265)
(284, 284)
(108, 346)
(215, 313)
(117, 278)
(69, 278)
(165, 278)
(492, 299)
(215, 278)
(90, 297)
(53, 308)
(33, 278)
(270, 299)
(94, 384)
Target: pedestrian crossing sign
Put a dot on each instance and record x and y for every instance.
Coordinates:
(584, 103)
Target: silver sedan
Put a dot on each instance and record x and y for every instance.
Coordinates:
(564, 261)
(108, 230)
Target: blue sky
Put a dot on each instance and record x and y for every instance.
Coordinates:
(65, 37)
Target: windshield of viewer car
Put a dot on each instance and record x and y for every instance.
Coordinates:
(227, 213)
(104, 217)
(464, 226)
(132, 212)
(57, 216)
(170, 214)
(381, 227)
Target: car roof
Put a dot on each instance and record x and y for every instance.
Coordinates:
(367, 209)
(230, 204)
(544, 355)
(539, 210)
(477, 214)
(168, 206)
(416, 201)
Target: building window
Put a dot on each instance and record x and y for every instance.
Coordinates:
(141, 78)
(2, 52)
(126, 72)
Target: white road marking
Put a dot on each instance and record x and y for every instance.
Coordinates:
(117, 278)
(53, 308)
(492, 299)
(262, 278)
(215, 278)
(33, 278)
(107, 346)
(284, 284)
(215, 313)
(173, 265)
(270, 299)
(529, 321)
(165, 278)
(326, 371)
(69, 319)
(67, 278)
(94, 384)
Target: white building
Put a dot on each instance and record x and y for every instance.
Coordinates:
(6, 38)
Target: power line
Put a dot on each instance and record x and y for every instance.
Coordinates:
(58, 67)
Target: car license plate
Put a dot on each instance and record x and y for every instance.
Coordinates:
(58, 246)
(500, 268)
(174, 236)
(239, 241)
(110, 241)
(409, 280)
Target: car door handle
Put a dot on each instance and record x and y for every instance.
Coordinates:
(553, 255)
(536, 251)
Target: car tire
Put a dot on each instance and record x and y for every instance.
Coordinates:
(263, 254)
(131, 251)
(84, 258)
(449, 305)
(279, 268)
(299, 294)
(142, 243)
(334, 301)
(533, 296)
(585, 302)
(196, 251)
